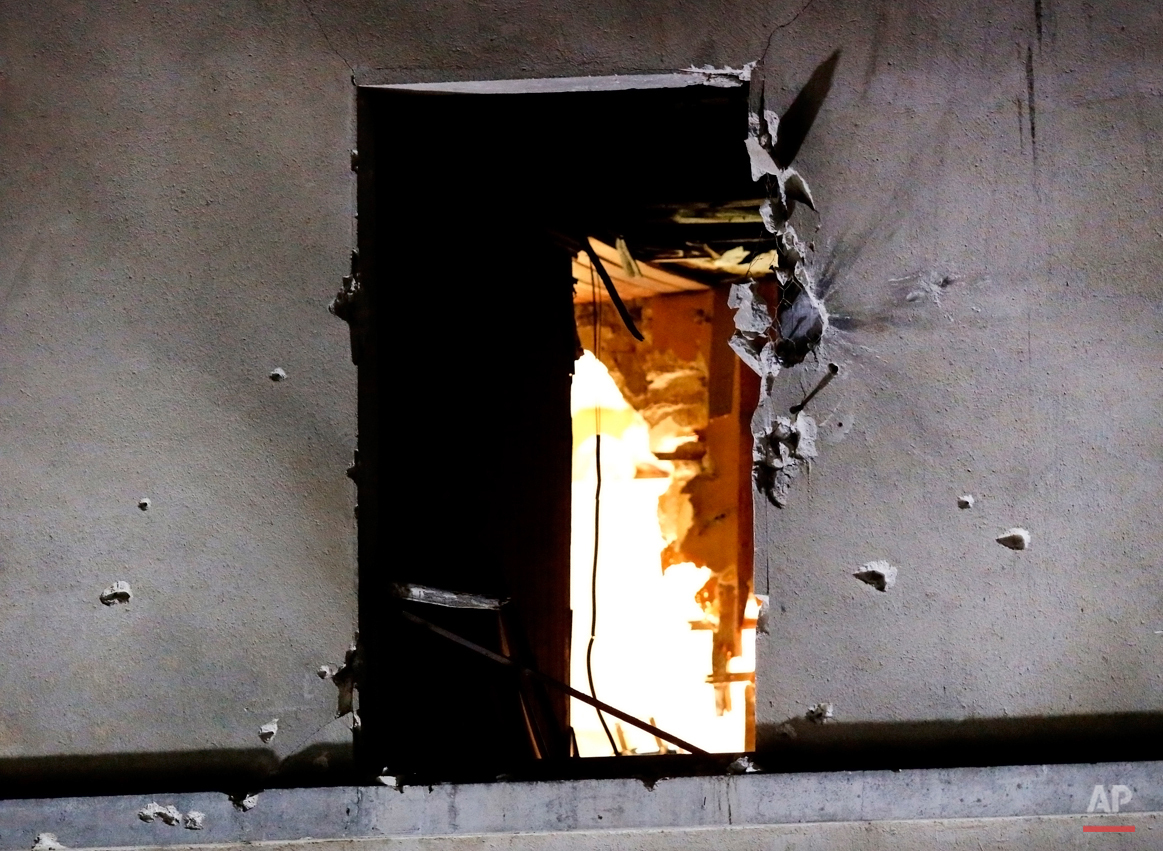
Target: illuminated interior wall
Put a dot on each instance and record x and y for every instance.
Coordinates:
(648, 657)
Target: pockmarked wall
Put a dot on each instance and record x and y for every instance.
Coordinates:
(176, 211)
(175, 214)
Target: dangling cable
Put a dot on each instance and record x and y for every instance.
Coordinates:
(597, 512)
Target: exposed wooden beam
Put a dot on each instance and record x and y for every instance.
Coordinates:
(653, 281)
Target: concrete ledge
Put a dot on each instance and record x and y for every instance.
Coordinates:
(606, 807)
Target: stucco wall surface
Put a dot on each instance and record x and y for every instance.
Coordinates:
(175, 212)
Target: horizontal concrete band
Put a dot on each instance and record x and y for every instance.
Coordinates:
(1120, 789)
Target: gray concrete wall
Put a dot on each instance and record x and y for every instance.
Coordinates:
(176, 212)
(1029, 807)
(1033, 382)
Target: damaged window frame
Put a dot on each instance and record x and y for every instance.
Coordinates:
(764, 339)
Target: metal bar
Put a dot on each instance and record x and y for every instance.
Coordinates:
(833, 369)
(447, 599)
(572, 692)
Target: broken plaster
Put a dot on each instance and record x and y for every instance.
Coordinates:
(118, 592)
(1016, 538)
(767, 340)
(346, 682)
(171, 815)
(879, 574)
(195, 820)
(268, 731)
(725, 77)
(244, 801)
(821, 713)
(47, 842)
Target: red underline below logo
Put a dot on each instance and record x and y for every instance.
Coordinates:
(1108, 828)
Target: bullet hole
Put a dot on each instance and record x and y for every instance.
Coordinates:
(821, 713)
(965, 501)
(1016, 538)
(278, 374)
(195, 820)
(144, 503)
(171, 815)
(244, 800)
(118, 592)
(267, 731)
(47, 842)
(879, 574)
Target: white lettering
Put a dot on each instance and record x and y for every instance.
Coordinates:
(1119, 795)
(1098, 800)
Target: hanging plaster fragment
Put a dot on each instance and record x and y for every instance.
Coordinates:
(752, 328)
(879, 574)
(765, 339)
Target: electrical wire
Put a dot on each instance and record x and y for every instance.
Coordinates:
(597, 512)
